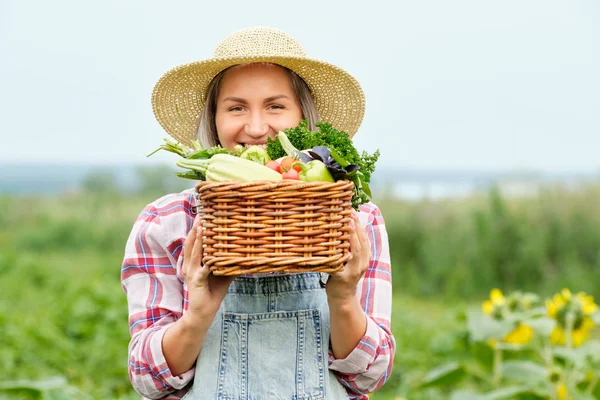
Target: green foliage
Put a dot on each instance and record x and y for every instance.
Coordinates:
(463, 248)
(63, 318)
(525, 364)
(338, 142)
(443, 375)
(64, 313)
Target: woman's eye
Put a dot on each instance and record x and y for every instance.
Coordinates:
(276, 106)
(236, 108)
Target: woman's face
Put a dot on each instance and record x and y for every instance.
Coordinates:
(255, 101)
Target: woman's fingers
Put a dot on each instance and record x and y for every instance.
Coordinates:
(188, 245)
(192, 252)
(365, 247)
(355, 246)
(360, 246)
(365, 244)
(196, 256)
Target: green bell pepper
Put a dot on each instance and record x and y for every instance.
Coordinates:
(314, 171)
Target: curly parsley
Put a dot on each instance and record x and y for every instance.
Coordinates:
(338, 141)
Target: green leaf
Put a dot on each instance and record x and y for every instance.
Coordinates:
(465, 395)
(583, 396)
(203, 154)
(520, 316)
(482, 354)
(443, 375)
(591, 351)
(448, 342)
(39, 385)
(367, 190)
(542, 390)
(476, 369)
(22, 393)
(56, 394)
(542, 326)
(511, 346)
(482, 327)
(524, 371)
(573, 355)
(338, 158)
(536, 312)
(506, 393)
(190, 175)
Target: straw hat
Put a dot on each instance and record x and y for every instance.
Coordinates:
(179, 96)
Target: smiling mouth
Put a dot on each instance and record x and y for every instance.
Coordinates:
(246, 145)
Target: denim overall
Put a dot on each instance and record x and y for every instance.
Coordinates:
(269, 340)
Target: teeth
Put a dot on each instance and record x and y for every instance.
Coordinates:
(264, 146)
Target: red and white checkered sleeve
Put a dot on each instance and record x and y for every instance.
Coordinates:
(155, 297)
(369, 365)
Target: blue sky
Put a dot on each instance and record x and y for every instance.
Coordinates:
(465, 84)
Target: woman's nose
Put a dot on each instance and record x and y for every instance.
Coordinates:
(256, 126)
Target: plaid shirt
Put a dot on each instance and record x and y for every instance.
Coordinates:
(157, 297)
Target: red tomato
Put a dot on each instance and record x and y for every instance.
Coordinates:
(274, 165)
(291, 174)
(286, 164)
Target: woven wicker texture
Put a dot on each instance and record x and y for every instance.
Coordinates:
(179, 96)
(263, 226)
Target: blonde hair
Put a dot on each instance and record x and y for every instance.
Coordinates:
(207, 127)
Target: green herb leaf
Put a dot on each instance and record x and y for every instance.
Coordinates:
(341, 149)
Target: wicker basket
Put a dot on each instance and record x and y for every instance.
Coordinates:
(288, 226)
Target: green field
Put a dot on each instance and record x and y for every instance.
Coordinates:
(63, 314)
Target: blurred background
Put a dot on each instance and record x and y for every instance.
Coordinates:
(486, 114)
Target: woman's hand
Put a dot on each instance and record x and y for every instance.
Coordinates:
(341, 285)
(183, 340)
(205, 290)
(348, 321)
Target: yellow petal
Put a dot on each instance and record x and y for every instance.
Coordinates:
(566, 293)
(497, 297)
(521, 335)
(487, 307)
(561, 391)
(587, 323)
(551, 307)
(589, 308)
(585, 298)
(579, 336)
(558, 300)
(557, 336)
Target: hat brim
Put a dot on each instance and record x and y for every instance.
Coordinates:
(179, 96)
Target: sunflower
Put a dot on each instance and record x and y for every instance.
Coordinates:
(499, 307)
(562, 392)
(494, 305)
(522, 334)
(578, 309)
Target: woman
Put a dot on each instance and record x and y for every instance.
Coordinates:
(200, 336)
